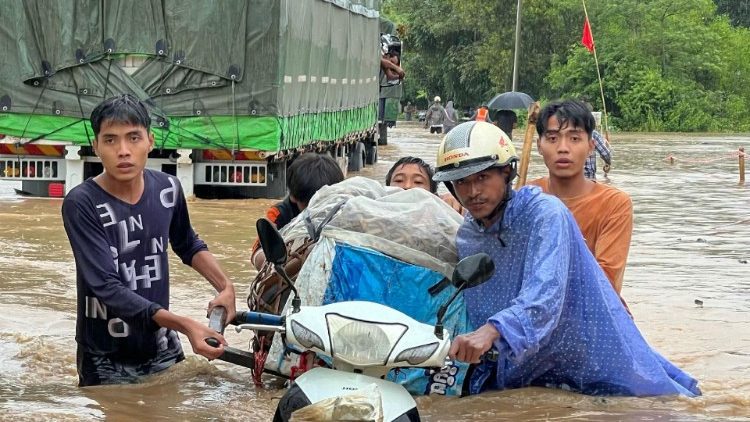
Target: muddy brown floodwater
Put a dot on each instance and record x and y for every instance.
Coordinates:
(691, 242)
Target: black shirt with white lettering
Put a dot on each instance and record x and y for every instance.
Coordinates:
(122, 274)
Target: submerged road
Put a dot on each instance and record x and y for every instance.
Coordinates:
(687, 284)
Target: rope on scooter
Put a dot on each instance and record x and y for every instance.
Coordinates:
(260, 362)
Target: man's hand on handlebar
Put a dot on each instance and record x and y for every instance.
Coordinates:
(470, 347)
(227, 300)
(197, 333)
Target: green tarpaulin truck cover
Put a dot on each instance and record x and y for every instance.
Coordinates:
(255, 74)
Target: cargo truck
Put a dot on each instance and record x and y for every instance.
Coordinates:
(235, 89)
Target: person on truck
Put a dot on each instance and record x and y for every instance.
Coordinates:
(390, 60)
(390, 63)
(118, 223)
(306, 175)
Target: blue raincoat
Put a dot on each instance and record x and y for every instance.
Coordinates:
(561, 324)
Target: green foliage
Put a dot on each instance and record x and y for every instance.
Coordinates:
(737, 10)
(648, 95)
(674, 65)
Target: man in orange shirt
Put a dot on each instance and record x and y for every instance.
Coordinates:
(603, 213)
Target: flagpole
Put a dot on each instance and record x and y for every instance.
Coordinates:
(515, 51)
(598, 74)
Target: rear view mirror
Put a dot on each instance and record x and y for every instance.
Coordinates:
(470, 272)
(473, 271)
(271, 242)
(275, 250)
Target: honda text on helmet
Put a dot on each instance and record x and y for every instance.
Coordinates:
(473, 147)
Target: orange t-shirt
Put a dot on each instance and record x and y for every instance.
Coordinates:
(605, 217)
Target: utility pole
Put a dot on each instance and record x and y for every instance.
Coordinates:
(515, 51)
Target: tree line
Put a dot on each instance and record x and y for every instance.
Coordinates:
(667, 65)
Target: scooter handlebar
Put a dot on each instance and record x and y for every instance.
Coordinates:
(232, 355)
(216, 321)
(490, 355)
(250, 317)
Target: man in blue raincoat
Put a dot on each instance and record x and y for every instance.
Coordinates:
(549, 309)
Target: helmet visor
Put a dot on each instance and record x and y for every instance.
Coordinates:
(450, 173)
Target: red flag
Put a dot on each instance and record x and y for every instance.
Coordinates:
(588, 38)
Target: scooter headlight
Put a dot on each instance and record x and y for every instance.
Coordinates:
(417, 355)
(362, 343)
(306, 337)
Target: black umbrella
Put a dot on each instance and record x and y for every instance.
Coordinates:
(510, 101)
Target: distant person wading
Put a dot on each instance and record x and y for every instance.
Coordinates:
(451, 117)
(435, 117)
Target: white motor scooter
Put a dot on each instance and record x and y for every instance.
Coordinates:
(364, 340)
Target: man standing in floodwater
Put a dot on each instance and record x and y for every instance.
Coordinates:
(603, 213)
(118, 224)
(435, 117)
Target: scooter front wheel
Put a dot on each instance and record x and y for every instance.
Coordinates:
(295, 399)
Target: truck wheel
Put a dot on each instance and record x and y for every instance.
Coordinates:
(356, 159)
(382, 134)
(371, 153)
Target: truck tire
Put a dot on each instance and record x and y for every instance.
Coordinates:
(357, 157)
(382, 133)
(371, 153)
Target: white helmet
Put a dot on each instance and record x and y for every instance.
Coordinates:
(472, 147)
(437, 99)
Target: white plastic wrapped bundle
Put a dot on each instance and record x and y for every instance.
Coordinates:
(365, 404)
(414, 226)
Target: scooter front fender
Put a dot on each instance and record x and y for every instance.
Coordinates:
(322, 383)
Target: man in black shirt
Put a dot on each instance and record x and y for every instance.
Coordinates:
(119, 224)
(506, 120)
(307, 174)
